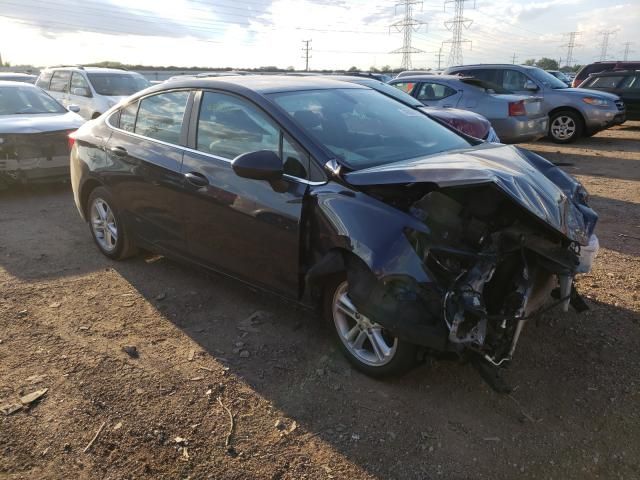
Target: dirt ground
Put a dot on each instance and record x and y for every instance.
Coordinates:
(299, 410)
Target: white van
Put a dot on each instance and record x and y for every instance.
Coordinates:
(93, 89)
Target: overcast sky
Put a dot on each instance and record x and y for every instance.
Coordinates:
(252, 33)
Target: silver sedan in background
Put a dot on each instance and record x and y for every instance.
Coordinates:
(515, 118)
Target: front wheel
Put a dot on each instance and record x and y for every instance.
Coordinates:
(107, 226)
(369, 347)
(565, 126)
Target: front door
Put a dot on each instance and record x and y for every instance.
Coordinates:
(80, 95)
(146, 147)
(249, 229)
(59, 87)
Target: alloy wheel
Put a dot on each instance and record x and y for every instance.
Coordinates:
(563, 127)
(368, 342)
(103, 224)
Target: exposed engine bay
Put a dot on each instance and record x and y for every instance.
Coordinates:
(493, 266)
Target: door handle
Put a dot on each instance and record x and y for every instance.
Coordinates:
(119, 151)
(196, 179)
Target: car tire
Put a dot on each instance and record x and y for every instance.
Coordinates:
(107, 226)
(389, 357)
(565, 126)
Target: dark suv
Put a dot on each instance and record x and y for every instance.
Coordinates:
(598, 67)
(624, 83)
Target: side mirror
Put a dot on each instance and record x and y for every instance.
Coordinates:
(81, 91)
(260, 165)
(74, 108)
(530, 85)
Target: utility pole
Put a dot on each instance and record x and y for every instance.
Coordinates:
(571, 44)
(456, 26)
(306, 49)
(604, 45)
(513, 59)
(625, 56)
(439, 56)
(407, 26)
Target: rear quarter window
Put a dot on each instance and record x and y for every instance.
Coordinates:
(406, 87)
(160, 116)
(44, 79)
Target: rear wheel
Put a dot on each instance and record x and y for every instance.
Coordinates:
(369, 347)
(107, 226)
(565, 126)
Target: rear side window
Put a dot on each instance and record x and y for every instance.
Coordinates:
(406, 87)
(44, 79)
(160, 116)
(434, 91)
(60, 81)
(513, 79)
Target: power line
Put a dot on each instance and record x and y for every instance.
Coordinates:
(456, 26)
(571, 44)
(306, 49)
(604, 45)
(627, 50)
(407, 25)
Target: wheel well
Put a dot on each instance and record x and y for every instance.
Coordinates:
(88, 187)
(566, 109)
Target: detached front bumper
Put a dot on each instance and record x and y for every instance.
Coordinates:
(521, 129)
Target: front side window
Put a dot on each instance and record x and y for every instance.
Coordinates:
(117, 84)
(78, 81)
(365, 128)
(514, 80)
(160, 116)
(229, 126)
(60, 81)
(26, 100)
(434, 91)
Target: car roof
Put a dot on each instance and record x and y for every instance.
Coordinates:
(417, 78)
(495, 65)
(614, 73)
(259, 83)
(91, 69)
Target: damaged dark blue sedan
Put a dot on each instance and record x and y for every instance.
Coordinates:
(408, 235)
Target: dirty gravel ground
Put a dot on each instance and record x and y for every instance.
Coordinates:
(299, 410)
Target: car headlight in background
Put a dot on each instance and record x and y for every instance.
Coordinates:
(598, 102)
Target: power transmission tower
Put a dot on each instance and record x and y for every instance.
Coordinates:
(513, 59)
(571, 44)
(456, 26)
(306, 49)
(625, 56)
(604, 45)
(439, 56)
(407, 26)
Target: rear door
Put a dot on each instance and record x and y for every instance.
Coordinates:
(59, 86)
(146, 147)
(249, 229)
(435, 94)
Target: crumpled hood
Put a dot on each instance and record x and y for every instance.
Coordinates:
(38, 123)
(531, 181)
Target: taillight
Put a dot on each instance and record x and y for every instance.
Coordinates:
(517, 109)
(71, 139)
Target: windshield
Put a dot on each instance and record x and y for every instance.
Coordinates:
(546, 78)
(364, 128)
(16, 100)
(117, 84)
